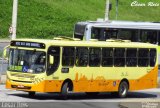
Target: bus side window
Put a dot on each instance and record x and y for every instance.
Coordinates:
(110, 34)
(95, 33)
(143, 36)
(152, 57)
(68, 56)
(134, 35)
(107, 56)
(81, 56)
(131, 57)
(149, 36)
(152, 37)
(119, 57)
(125, 34)
(53, 52)
(128, 34)
(158, 37)
(94, 56)
(143, 57)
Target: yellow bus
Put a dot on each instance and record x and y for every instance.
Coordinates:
(64, 65)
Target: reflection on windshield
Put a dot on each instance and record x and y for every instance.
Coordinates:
(27, 61)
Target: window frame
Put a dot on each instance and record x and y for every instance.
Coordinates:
(151, 58)
(73, 57)
(130, 57)
(143, 58)
(119, 57)
(80, 57)
(99, 64)
(111, 57)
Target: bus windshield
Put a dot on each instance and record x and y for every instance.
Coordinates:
(27, 61)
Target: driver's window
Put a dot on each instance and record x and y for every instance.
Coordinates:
(53, 59)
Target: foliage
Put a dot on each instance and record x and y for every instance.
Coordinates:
(49, 18)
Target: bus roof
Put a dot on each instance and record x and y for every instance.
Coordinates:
(116, 43)
(123, 24)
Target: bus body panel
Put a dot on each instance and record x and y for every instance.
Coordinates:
(107, 81)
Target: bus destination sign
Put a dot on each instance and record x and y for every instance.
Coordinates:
(28, 44)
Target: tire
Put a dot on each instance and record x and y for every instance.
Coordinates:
(64, 91)
(31, 94)
(92, 94)
(123, 89)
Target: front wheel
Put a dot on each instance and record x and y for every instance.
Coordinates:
(64, 91)
(123, 89)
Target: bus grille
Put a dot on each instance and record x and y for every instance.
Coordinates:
(22, 81)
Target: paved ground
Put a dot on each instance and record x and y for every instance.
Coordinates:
(3, 43)
(3, 67)
(80, 100)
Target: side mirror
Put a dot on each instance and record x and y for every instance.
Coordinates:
(5, 52)
(51, 59)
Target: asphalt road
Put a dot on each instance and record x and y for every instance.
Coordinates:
(3, 67)
(3, 43)
(79, 100)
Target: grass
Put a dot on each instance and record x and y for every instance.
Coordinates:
(1, 53)
(49, 18)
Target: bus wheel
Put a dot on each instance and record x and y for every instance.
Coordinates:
(92, 94)
(31, 94)
(123, 89)
(64, 91)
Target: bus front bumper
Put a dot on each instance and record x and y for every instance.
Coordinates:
(43, 86)
(25, 86)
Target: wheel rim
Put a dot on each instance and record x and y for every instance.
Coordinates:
(67, 90)
(123, 90)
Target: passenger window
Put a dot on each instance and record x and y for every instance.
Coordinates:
(131, 57)
(95, 33)
(81, 56)
(158, 37)
(68, 56)
(152, 57)
(94, 56)
(128, 34)
(143, 57)
(119, 57)
(107, 57)
(110, 34)
(149, 36)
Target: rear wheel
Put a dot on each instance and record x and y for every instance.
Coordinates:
(64, 91)
(123, 89)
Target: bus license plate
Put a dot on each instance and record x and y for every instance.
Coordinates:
(20, 86)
